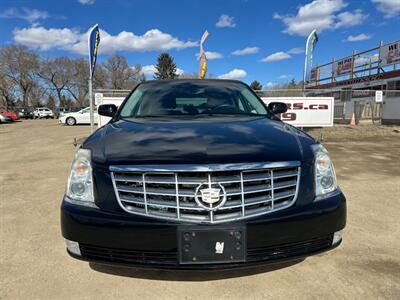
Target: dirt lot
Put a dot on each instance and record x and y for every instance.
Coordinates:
(34, 161)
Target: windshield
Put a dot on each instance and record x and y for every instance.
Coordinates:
(195, 97)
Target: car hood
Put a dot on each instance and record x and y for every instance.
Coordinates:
(232, 141)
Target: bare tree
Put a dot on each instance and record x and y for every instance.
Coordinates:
(57, 74)
(51, 103)
(7, 91)
(27, 80)
(20, 66)
(78, 85)
(100, 77)
(37, 94)
(120, 75)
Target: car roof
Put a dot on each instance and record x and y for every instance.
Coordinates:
(193, 80)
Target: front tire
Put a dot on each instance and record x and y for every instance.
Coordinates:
(70, 121)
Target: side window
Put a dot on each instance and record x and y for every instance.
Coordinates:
(255, 105)
(240, 105)
(129, 108)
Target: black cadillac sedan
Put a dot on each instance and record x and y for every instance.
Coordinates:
(200, 174)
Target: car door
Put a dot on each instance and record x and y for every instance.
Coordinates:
(84, 116)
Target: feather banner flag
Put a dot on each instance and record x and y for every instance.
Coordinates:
(93, 41)
(203, 57)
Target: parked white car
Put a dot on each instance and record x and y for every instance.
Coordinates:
(80, 117)
(43, 112)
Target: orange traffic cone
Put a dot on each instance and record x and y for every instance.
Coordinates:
(353, 120)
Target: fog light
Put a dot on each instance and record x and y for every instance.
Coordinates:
(337, 237)
(73, 247)
(326, 182)
(78, 188)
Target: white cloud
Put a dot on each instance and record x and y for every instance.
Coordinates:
(74, 41)
(347, 19)
(86, 1)
(321, 15)
(149, 70)
(211, 55)
(234, 74)
(276, 56)
(27, 14)
(284, 76)
(297, 50)
(225, 21)
(271, 84)
(245, 51)
(45, 39)
(318, 14)
(281, 55)
(390, 8)
(359, 37)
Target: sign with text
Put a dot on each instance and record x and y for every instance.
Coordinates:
(343, 66)
(306, 111)
(389, 54)
(378, 96)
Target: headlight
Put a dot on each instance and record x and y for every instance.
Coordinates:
(325, 177)
(80, 181)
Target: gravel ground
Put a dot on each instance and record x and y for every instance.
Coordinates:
(35, 156)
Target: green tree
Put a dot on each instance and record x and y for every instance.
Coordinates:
(166, 68)
(256, 86)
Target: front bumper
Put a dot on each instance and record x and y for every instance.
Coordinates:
(121, 238)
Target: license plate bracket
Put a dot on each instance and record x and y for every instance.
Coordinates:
(201, 245)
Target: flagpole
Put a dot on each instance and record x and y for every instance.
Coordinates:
(306, 60)
(90, 84)
(91, 104)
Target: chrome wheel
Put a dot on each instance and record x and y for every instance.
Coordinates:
(71, 121)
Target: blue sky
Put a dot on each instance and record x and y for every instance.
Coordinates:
(269, 36)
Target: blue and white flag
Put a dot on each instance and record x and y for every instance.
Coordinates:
(93, 41)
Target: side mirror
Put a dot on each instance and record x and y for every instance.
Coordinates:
(277, 107)
(107, 110)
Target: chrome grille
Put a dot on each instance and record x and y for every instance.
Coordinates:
(172, 192)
